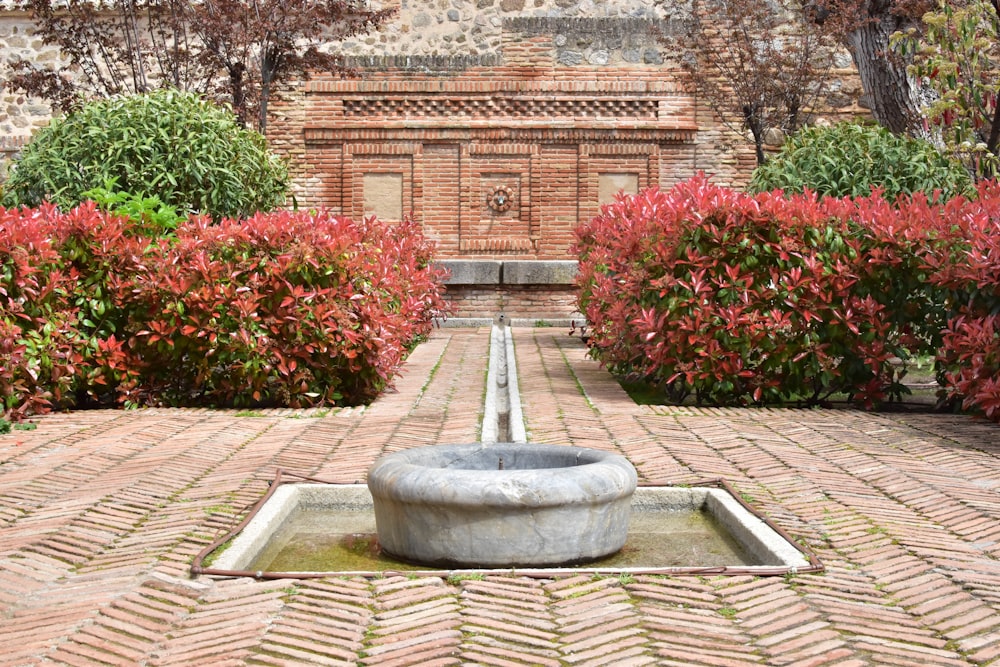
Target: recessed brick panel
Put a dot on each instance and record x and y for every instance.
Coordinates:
(610, 185)
(383, 195)
(605, 169)
(486, 229)
(390, 181)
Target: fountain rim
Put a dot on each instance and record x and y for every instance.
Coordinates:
(603, 477)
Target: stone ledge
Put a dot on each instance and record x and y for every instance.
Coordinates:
(509, 272)
(471, 271)
(513, 322)
(539, 272)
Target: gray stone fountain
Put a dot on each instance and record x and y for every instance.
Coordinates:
(498, 503)
(502, 504)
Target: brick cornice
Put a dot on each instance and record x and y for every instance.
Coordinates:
(548, 133)
(513, 80)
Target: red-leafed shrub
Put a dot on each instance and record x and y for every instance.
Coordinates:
(970, 354)
(55, 307)
(281, 309)
(737, 298)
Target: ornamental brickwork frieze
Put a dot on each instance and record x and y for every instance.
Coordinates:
(501, 107)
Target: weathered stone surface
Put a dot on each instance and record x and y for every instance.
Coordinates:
(567, 57)
(471, 272)
(529, 272)
(509, 272)
(599, 57)
(503, 504)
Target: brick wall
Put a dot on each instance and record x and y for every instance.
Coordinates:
(453, 142)
(546, 147)
(526, 304)
(554, 120)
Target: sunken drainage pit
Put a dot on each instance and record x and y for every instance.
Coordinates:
(501, 505)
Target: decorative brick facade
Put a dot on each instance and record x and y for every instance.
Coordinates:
(558, 132)
(545, 142)
(500, 155)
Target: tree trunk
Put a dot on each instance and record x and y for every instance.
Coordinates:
(236, 85)
(757, 130)
(892, 94)
(268, 66)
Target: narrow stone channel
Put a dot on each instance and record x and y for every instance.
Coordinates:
(503, 420)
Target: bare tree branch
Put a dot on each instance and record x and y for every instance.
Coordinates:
(132, 46)
(758, 64)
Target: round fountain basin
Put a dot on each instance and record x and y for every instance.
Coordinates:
(501, 504)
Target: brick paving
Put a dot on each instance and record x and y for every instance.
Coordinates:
(101, 513)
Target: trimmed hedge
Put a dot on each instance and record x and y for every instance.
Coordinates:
(970, 354)
(739, 299)
(289, 309)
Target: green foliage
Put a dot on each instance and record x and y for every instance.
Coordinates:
(6, 426)
(148, 215)
(187, 152)
(850, 159)
(958, 55)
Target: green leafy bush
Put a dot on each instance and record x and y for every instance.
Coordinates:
(280, 309)
(736, 299)
(849, 160)
(169, 144)
(148, 215)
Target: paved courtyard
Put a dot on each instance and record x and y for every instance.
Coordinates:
(102, 512)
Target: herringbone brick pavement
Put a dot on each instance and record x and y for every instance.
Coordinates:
(102, 512)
